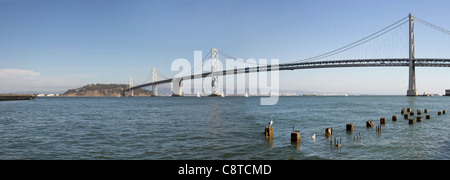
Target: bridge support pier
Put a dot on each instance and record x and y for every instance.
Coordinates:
(215, 86)
(154, 79)
(412, 91)
(180, 91)
(131, 86)
(177, 86)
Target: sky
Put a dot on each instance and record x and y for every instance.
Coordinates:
(52, 45)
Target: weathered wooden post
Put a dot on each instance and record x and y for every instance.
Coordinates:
(419, 119)
(269, 132)
(295, 137)
(328, 132)
(349, 127)
(369, 124)
(394, 118)
(382, 120)
(405, 116)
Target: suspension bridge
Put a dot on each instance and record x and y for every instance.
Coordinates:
(387, 51)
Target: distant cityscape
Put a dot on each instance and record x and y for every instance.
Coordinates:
(48, 95)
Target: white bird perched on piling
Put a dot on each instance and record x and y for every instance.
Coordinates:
(270, 123)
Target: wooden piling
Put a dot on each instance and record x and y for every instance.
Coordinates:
(425, 110)
(408, 110)
(427, 116)
(418, 112)
(328, 132)
(349, 127)
(269, 132)
(439, 113)
(382, 120)
(369, 124)
(419, 119)
(295, 137)
(444, 112)
(405, 116)
(411, 121)
(394, 118)
(403, 111)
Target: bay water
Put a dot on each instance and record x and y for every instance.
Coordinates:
(221, 128)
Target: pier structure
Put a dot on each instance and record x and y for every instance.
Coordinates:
(12, 97)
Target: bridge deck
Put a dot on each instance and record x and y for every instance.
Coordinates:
(419, 62)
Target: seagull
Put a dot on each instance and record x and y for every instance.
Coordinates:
(313, 137)
(270, 123)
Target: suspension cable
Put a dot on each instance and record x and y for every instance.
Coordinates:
(432, 26)
(356, 43)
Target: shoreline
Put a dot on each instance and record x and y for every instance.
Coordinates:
(15, 97)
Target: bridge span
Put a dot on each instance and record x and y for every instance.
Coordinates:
(317, 61)
(312, 65)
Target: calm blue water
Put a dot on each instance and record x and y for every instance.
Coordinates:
(219, 128)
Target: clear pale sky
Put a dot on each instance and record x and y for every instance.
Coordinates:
(52, 45)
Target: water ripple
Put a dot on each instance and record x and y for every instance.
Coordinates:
(219, 128)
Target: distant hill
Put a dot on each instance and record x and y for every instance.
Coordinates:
(104, 90)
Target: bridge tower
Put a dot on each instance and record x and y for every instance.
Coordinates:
(177, 85)
(215, 88)
(131, 86)
(412, 91)
(154, 79)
